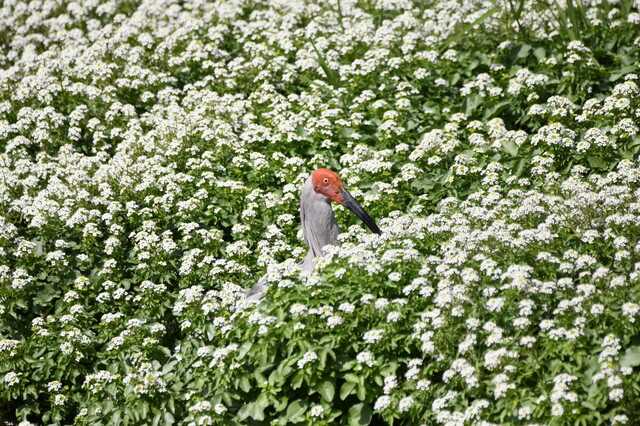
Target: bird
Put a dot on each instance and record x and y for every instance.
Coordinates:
(318, 220)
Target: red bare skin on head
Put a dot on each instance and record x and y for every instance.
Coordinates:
(327, 183)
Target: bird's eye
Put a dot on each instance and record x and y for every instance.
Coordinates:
(326, 180)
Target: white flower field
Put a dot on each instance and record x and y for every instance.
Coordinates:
(152, 155)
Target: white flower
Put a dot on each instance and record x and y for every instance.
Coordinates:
(390, 383)
(382, 403)
(495, 304)
(9, 345)
(54, 386)
(317, 411)
(412, 373)
(525, 412)
(405, 403)
(346, 307)
(334, 320)
(298, 309)
(613, 381)
(630, 310)
(620, 418)
(557, 410)
(366, 299)
(308, 357)
(423, 384)
(381, 303)
(373, 336)
(395, 276)
(616, 394)
(66, 348)
(365, 357)
(12, 378)
(393, 316)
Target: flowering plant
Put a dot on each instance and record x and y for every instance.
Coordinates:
(151, 158)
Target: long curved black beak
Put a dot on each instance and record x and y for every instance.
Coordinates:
(349, 202)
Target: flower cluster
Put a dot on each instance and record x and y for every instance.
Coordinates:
(151, 158)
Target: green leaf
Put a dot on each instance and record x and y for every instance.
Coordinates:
(259, 378)
(284, 370)
(360, 414)
(244, 412)
(597, 162)
(38, 250)
(156, 419)
(494, 110)
(631, 357)
(168, 418)
(297, 380)
(244, 384)
(352, 378)
(262, 401)
(346, 389)
(322, 358)
(519, 167)
(282, 404)
(327, 390)
(510, 147)
(275, 378)
(296, 409)
(301, 131)
(143, 410)
(539, 53)
(256, 412)
(622, 72)
(361, 392)
(331, 75)
(467, 27)
(523, 51)
(472, 102)
(424, 184)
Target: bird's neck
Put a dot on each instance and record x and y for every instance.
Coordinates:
(321, 232)
(318, 221)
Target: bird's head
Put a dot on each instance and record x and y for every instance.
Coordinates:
(329, 184)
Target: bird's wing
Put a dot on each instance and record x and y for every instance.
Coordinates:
(256, 291)
(302, 218)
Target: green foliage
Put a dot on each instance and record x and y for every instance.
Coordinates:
(151, 157)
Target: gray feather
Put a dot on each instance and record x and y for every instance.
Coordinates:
(320, 229)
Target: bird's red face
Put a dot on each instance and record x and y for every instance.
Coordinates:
(327, 183)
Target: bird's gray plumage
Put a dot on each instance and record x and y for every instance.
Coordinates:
(319, 227)
(255, 292)
(318, 223)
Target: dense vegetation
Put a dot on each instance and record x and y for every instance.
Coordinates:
(151, 159)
